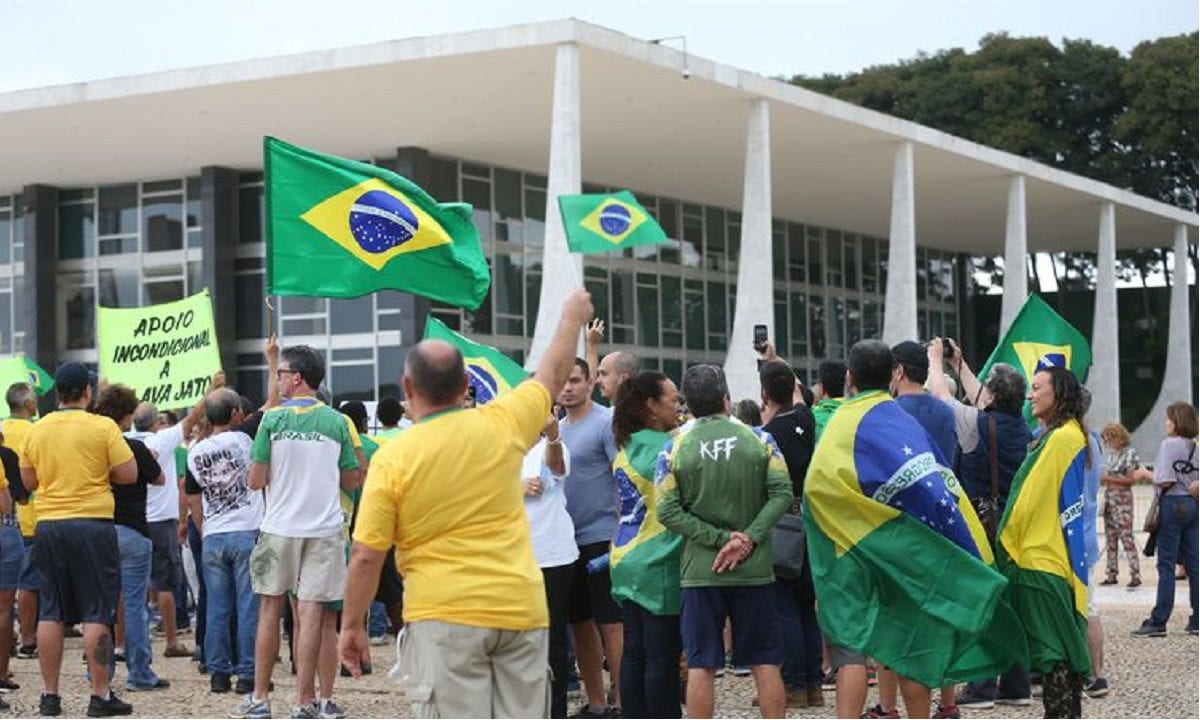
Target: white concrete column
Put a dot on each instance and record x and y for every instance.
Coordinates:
(900, 300)
(1016, 281)
(1177, 376)
(562, 272)
(1105, 377)
(755, 301)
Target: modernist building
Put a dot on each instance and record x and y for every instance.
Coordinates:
(826, 221)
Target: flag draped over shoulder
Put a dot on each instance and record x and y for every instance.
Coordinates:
(602, 223)
(644, 559)
(1040, 549)
(489, 371)
(900, 562)
(20, 369)
(340, 228)
(1037, 338)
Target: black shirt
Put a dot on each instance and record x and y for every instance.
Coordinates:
(12, 472)
(130, 509)
(795, 433)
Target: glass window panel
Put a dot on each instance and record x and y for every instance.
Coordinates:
(833, 258)
(194, 204)
(312, 326)
(351, 315)
(714, 236)
(693, 304)
(799, 326)
(779, 255)
(922, 324)
(816, 318)
(535, 205)
(76, 231)
(5, 322)
(868, 266)
(854, 324)
(390, 321)
(161, 186)
(870, 311)
(161, 292)
(506, 325)
(508, 193)
(387, 300)
(452, 316)
(596, 281)
(389, 364)
(668, 217)
(814, 262)
(118, 246)
(77, 194)
(782, 337)
(162, 223)
(672, 312)
(248, 293)
(795, 240)
(79, 312)
(508, 286)
(882, 264)
(19, 317)
(478, 193)
(622, 298)
(475, 169)
(950, 325)
(850, 262)
(837, 327)
(922, 276)
(119, 287)
(118, 210)
(647, 307)
(6, 229)
(195, 239)
(692, 241)
(533, 288)
(352, 382)
(673, 369)
(935, 325)
(253, 384)
(480, 321)
(443, 180)
(716, 308)
(296, 305)
(250, 215)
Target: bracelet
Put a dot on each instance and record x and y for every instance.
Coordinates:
(556, 441)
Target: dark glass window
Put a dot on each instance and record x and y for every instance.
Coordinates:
(354, 315)
(81, 317)
(352, 382)
(163, 291)
(119, 287)
(76, 231)
(508, 286)
(672, 312)
(250, 215)
(647, 306)
(194, 206)
(693, 304)
(162, 223)
(816, 317)
(248, 294)
(118, 210)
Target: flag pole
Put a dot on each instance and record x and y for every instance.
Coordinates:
(270, 315)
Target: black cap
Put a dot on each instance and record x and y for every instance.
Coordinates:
(72, 377)
(911, 354)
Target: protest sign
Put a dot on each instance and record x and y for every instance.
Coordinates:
(167, 353)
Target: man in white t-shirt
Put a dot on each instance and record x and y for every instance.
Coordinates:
(163, 513)
(553, 534)
(228, 514)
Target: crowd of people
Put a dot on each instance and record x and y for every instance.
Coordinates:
(641, 544)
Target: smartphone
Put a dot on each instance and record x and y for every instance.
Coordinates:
(760, 337)
(559, 411)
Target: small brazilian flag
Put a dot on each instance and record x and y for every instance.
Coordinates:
(602, 223)
(489, 371)
(340, 228)
(20, 369)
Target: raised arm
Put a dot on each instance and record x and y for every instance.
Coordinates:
(271, 350)
(592, 338)
(555, 365)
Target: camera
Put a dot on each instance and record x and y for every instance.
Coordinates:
(949, 347)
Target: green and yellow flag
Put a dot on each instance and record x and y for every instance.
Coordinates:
(489, 371)
(340, 228)
(1039, 338)
(901, 565)
(20, 369)
(602, 223)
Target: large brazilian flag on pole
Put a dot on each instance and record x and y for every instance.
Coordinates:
(900, 562)
(1040, 549)
(340, 228)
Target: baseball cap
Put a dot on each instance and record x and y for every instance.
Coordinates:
(911, 354)
(72, 376)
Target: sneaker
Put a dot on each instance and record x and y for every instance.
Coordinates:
(159, 684)
(50, 705)
(1014, 701)
(949, 711)
(221, 683)
(27, 652)
(1097, 688)
(830, 681)
(178, 651)
(1109, 581)
(329, 709)
(119, 655)
(797, 699)
(973, 702)
(1136, 582)
(305, 712)
(380, 640)
(741, 672)
(720, 672)
(72, 631)
(1149, 629)
(816, 697)
(879, 712)
(252, 707)
(7, 685)
(587, 711)
(108, 707)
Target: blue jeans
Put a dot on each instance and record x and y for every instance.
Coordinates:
(134, 549)
(227, 580)
(196, 547)
(650, 663)
(377, 620)
(1012, 684)
(801, 635)
(1176, 543)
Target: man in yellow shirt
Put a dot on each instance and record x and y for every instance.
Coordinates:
(445, 493)
(69, 458)
(22, 409)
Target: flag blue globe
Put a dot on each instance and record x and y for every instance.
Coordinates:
(380, 221)
(614, 219)
(485, 385)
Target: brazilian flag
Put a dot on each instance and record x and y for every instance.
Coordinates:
(489, 371)
(1040, 548)
(20, 369)
(900, 562)
(1040, 338)
(340, 228)
(601, 223)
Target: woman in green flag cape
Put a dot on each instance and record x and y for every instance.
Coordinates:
(644, 559)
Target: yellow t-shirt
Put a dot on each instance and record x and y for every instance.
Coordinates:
(16, 431)
(445, 493)
(73, 452)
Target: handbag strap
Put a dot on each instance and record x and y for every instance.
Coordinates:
(994, 455)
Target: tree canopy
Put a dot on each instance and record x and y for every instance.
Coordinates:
(1130, 121)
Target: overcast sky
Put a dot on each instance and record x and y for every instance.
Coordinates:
(62, 41)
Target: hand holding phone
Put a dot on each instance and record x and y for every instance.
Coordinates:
(760, 338)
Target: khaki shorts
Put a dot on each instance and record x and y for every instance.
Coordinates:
(463, 671)
(309, 568)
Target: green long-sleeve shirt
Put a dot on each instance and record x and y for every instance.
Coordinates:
(720, 476)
